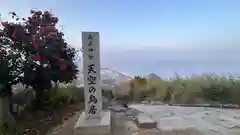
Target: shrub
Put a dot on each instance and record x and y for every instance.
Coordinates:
(190, 90)
(217, 92)
(77, 93)
(59, 97)
(4, 130)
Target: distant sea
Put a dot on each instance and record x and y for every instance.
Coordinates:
(168, 68)
(168, 62)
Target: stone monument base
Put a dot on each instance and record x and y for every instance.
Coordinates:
(101, 126)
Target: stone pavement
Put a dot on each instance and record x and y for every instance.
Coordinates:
(171, 120)
(177, 120)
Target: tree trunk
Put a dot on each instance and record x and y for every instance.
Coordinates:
(56, 86)
(38, 99)
(10, 94)
(39, 89)
(5, 115)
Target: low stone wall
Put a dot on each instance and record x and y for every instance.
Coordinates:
(225, 106)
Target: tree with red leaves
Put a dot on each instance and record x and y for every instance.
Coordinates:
(45, 55)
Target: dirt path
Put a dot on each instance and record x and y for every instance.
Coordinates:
(66, 128)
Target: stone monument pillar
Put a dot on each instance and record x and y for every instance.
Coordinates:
(91, 70)
(93, 121)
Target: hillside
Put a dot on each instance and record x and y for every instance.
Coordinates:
(153, 76)
(109, 77)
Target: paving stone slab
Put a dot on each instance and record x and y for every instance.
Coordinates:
(131, 112)
(175, 124)
(120, 122)
(164, 114)
(144, 121)
(118, 114)
(232, 112)
(209, 132)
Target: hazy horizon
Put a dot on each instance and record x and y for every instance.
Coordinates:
(167, 63)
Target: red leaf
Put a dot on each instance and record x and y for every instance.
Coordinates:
(62, 66)
(46, 13)
(4, 23)
(32, 11)
(37, 58)
(40, 12)
(48, 36)
(41, 30)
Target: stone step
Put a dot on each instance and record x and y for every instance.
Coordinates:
(145, 121)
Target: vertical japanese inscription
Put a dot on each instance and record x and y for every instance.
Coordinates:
(92, 100)
(91, 75)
